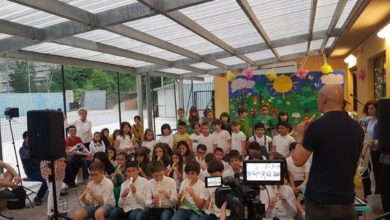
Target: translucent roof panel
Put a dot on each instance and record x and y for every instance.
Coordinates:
(226, 20)
(174, 70)
(3, 36)
(330, 42)
(116, 40)
(260, 55)
(282, 19)
(164, 28)
(231, 61)
(62, 50)
(291, 49)
(348, 8)
(205, 66)
(94, 6)
(28, 16)
(324, 14)
(316, 44)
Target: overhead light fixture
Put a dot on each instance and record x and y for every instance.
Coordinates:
(351, 60)
(384, 32)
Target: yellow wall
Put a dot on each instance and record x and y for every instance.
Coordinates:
(313, 63)
(365, 53)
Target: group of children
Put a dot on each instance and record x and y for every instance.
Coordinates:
(135, 176)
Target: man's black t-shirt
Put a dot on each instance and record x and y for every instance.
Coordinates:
(336, 141)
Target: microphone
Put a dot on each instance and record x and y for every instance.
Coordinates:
(355, 98)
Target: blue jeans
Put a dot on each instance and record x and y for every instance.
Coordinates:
(157, 214)
(182, 214)
(36, 176)
(209, 217)
(91, 210)
(118, 214)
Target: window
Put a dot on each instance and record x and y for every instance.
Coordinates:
(379, 76)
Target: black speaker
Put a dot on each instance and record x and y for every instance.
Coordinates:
(383, 113)
(46, 134)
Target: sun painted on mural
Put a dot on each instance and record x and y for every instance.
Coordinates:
(289, 92)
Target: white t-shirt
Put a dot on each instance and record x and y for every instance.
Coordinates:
(169, 185)
(222, 138)
(97, 147)
(199, 190)
(261, 140)
(133, 200)
(282, 210)
(236, 141)
(282, 144)
(297, 172)
(150, 145)
(195, 140)
(167, 139)
(125, 141)
(209, 141)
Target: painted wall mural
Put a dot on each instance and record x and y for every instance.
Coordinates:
(295, 93)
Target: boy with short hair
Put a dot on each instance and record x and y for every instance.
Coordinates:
(161, 194)
(282, 141)
(238, 139)
(209, 117)
(193, 191)
(132, 195)
(235, 164)
(260, 137)
(222, 137)
(180, 116)
(256, 152)
(219, 154)
(215, 168)
(98, 195)
(207, 138)
(182, 135)
(244, 122)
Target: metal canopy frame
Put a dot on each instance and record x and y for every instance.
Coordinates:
(160, 54)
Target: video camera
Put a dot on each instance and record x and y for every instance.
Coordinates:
(242, 195)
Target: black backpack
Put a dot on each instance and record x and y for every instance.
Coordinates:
(19, 201)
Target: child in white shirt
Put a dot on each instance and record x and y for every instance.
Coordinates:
(97, 144)
(161, 195)
(260, 137)
(222, 137)
(279, 201)
(167, 136)
(282, 141)
(207, 138)
(196, 135)
(98, 195)
(132, 195)
(149, 141)
(192, 194)
(238, 139)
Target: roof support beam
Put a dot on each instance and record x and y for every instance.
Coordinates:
(243, 50)
(122, 14)
(335, 18)
(12, 28)
(104, 48)
(313, 11)
(256, 23)
(258, 63)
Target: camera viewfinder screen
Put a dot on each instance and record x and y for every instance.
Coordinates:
(214, 181)
(265, 172)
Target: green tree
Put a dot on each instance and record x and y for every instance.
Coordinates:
(23, 77)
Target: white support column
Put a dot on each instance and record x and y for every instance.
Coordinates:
(140, 105)
(181, 93)
(148, 97)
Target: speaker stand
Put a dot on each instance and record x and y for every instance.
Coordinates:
(52, 178)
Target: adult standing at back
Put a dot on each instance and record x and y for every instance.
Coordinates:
(83, 126)
(336, 142)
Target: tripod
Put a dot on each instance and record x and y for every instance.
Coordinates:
(17, 162)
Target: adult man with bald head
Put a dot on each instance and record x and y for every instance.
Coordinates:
(336, 142)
